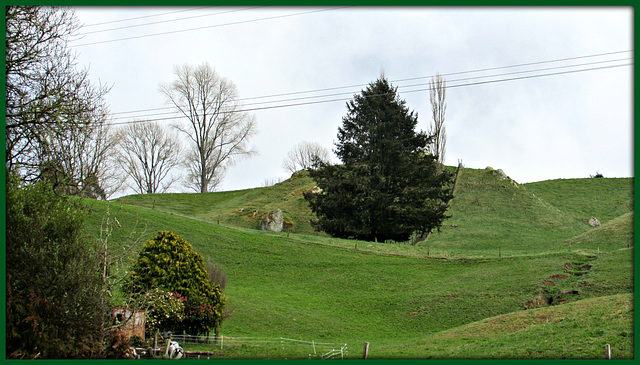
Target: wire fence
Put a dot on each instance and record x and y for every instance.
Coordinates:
(295, 347)
(282, 347)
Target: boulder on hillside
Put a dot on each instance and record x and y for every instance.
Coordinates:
(500, 174)
(273, 221)
(315, 190)
(594, 222)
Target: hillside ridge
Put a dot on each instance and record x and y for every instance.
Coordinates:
(486, 212)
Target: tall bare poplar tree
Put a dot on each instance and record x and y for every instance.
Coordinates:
(220, 132)
(437, 95)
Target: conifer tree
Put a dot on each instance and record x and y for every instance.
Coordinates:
(388, 186)
(170, 263)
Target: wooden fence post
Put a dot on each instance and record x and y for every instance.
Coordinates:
(166, 347)
(365, 353)
(155, 339)
(607, 350)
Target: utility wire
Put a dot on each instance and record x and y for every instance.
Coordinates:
(168, 21)
(414, 78)
(142, 17)
(410, 91)
(446, 74)
(400, 87)
(206, 27)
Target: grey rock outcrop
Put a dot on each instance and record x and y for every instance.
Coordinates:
(500, 174)
(594, 222)
(273, 221)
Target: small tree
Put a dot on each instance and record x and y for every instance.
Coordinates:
(437, 95)
(303, 156)
(147, 154)
(168, 262)
(165, 310)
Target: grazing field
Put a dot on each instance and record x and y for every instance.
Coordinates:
(462, 293)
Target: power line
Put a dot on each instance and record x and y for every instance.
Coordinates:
(528, 71)
(446, 74)
(395, 81)
(530, 63)
(206, 27)
(168, 21)
(142, 17)
(421, 77)
(410, 91)
(404, 86)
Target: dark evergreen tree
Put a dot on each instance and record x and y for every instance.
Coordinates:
(388, 186)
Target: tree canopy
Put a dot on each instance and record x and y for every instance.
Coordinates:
(388, 186)
(55, 118)
(217, 127)
(168, 262)
(55, 297)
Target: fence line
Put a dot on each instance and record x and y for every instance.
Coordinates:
(322, 350)
(333, 350)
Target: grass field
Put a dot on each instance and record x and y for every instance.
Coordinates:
(461, 293)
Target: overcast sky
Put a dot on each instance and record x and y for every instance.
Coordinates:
(518, 97)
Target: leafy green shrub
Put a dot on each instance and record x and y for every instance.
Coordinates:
(166, 310)
(55, 298)
(201, 315)
(168, 262)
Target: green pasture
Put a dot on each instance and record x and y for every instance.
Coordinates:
(461, 293)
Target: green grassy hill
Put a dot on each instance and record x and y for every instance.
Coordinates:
(242, 208)
(578, 330)
(489, 217)
(511, 248)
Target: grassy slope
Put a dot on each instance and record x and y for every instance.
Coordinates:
(578, 330)
(492, 217)
(238, 207)
(605, 199)
(319, 288)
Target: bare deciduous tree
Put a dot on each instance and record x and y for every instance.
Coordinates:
(47, 98)
(219, 130)
(437, 95)
(303, 156)
(78, 158)
(147, 154)
(270, 181)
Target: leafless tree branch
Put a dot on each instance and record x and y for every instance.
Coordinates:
(219, 131)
